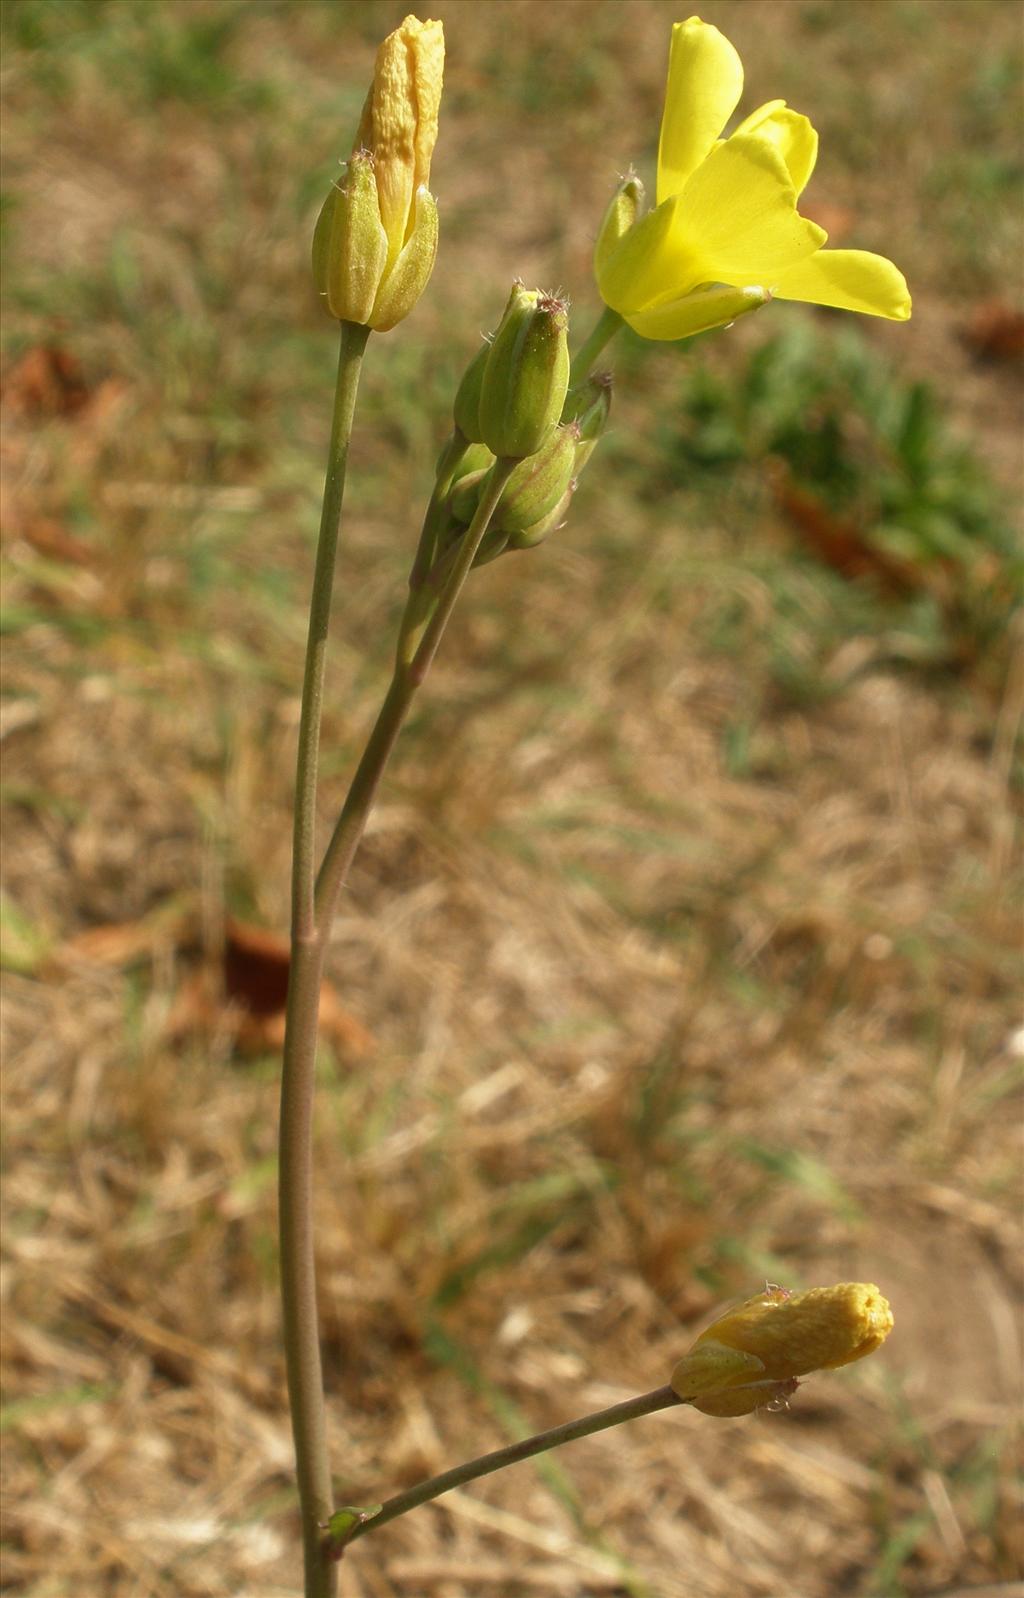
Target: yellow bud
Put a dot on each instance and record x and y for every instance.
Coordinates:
(762, 1346)
(376, 237)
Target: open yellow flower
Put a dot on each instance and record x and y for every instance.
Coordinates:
(727, 214)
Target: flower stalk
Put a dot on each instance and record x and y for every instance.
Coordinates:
(295, 1164)
(485, 1464)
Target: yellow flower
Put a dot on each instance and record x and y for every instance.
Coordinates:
(376, 236)
(726, 211)
(751, 1356)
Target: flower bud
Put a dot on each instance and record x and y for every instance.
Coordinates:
(530, 537)
(539, 482)
(623, 213)
(467, 397)
(465, 496)
(526, 375)
(751, 1356)
(475, 458)
(589, 405)
(532, 491)
(376, 236)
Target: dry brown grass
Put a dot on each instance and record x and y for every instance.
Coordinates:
(647, 1026)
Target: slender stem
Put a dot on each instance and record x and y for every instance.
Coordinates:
(350, 359)
(295, 1164)
(604, 329)
(585, 1426)
(407, 678)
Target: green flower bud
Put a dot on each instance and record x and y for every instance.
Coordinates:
(534, 488)
(538, 483)
(529, 537)
(467, 398)
(623, 213)
(475, 458)
(526, 375)
(589, 405)
(465, 496)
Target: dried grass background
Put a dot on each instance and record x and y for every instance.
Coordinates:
(644, 1024)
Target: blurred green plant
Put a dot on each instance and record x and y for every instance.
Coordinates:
(862, 463)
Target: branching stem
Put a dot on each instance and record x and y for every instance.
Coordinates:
(585, 1426)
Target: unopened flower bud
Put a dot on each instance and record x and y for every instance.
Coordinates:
(526, 375)
(467, 396)
(376, 236)
(539, 482)
(589, 406)
(475, 458)
(751, 1356)
(530, 537)
(532, 491)
(465, 496)
(622, 214)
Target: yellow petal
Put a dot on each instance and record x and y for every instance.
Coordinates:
(792, 135)
(705, 81)
(737, 215)
(646, 265)
(851, 280)
(819, 1330)
(697, 312)
(399, 121)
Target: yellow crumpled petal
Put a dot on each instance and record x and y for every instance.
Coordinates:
(763, 1345)
(705, 81)
(399, 121)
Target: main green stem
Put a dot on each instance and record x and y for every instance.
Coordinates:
(295, 1163)
(598, 1421)
(314, 900)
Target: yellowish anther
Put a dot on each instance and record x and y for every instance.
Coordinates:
(752, 1355)
(399, 122)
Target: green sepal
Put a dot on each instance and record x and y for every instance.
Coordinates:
(530, 537)
(466, 409)
(405, 281)
(345, 1520)
(350, 246)
(626, 206)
